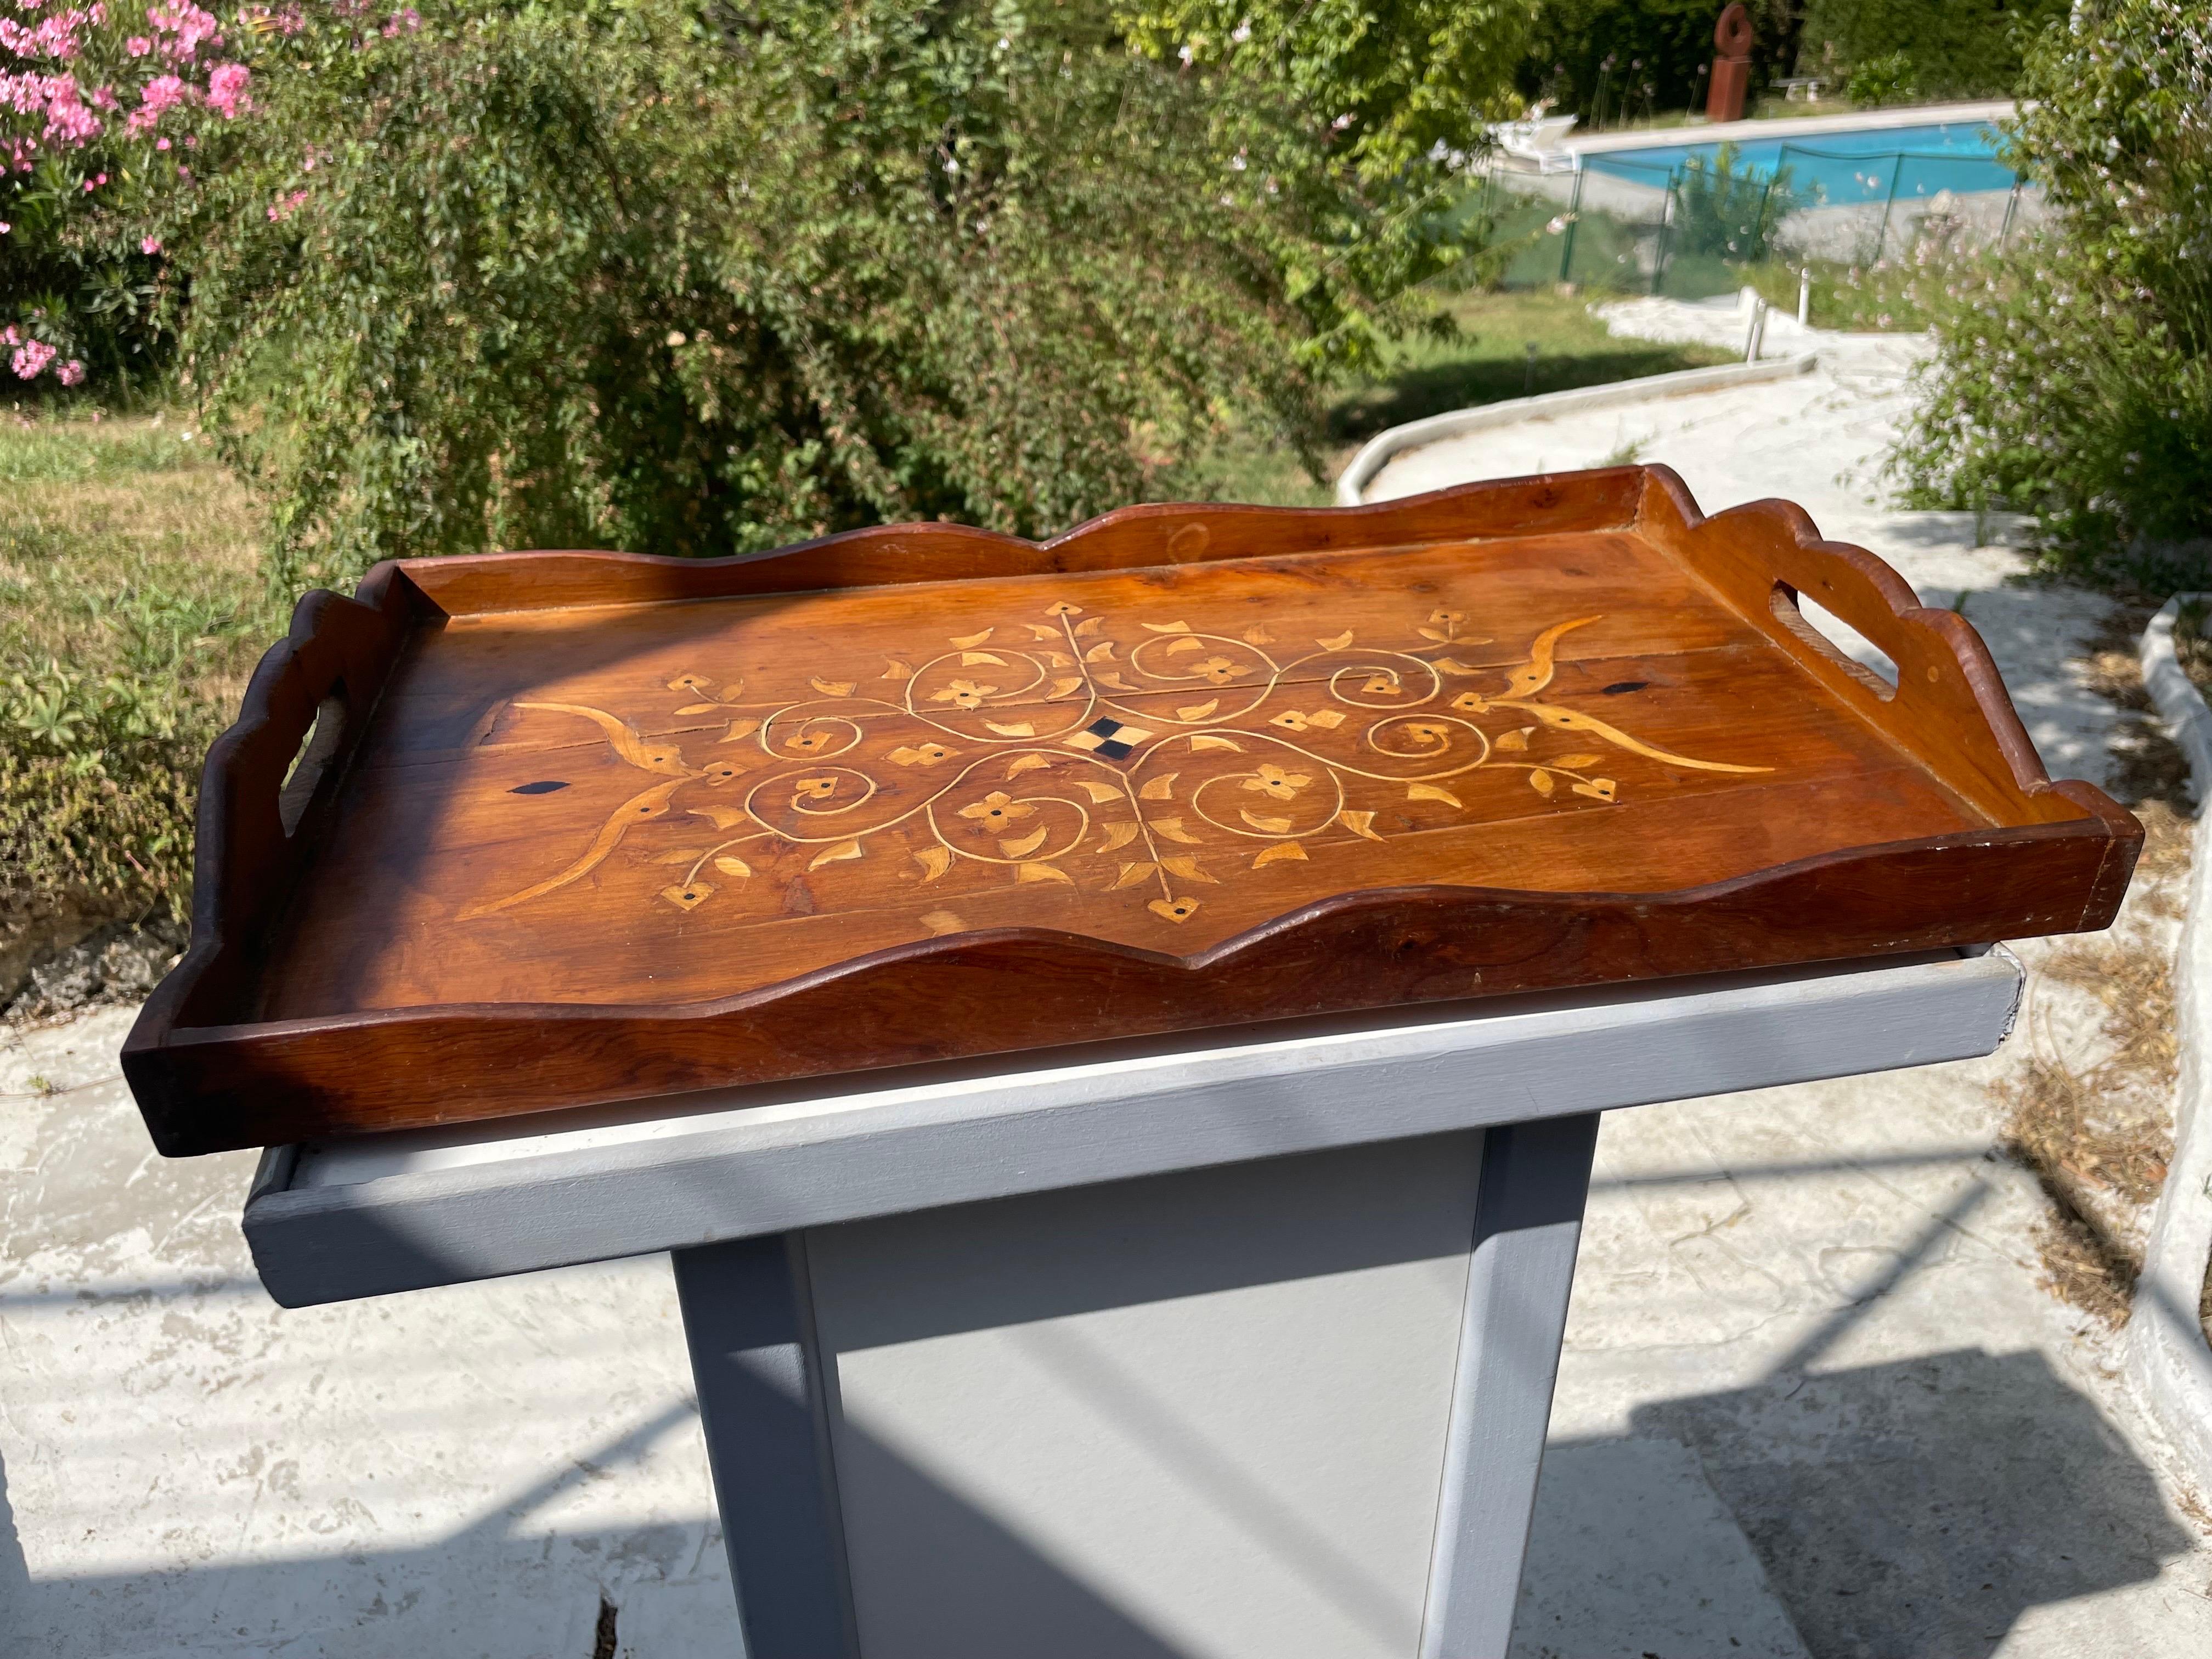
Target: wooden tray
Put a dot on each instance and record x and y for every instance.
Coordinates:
(575, 828)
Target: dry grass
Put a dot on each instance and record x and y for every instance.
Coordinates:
(2098, 1136)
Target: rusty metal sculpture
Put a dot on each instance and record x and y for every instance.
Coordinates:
(1731, 65)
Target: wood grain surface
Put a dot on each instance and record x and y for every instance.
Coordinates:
(597, 827)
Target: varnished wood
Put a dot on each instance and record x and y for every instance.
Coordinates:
(601, 826)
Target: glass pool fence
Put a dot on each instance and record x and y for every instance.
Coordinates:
(1685, 222)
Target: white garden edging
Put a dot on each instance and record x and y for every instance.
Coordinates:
(2168, 1359)
(1376, 453)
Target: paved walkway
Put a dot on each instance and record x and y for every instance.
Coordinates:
(1813, 1402)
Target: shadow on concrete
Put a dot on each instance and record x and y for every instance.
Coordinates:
(499, 1588)
(1916, 1509)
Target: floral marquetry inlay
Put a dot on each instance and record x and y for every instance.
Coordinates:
(1156, 761)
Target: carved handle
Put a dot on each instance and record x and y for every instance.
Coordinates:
(1948, 706)
(338, 653)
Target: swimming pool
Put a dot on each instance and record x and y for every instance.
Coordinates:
(1835, 168)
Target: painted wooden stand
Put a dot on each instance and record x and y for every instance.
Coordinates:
(1233, 1344)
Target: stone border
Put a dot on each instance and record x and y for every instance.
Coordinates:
(2168, 1359)
(1376, 453)
(1789, 129)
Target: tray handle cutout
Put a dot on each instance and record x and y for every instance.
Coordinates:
(1836, 640)
(268, 775)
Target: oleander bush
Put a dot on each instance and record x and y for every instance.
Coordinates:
(2071, 379)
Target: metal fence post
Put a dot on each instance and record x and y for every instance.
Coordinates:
(1574, 218)
(1881, 236)
(2012, 206)
(1665, 243)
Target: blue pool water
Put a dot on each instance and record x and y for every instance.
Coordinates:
(1839, 168)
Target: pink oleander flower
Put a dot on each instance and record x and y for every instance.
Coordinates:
(189, 26)
(226, 90)
(149, 245)
(285, 206)
(137, 45)
(9, 336)
(156, 99)
(70, 372)
(160, 143)
(31, 358)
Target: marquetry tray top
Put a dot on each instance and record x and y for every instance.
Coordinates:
(585, 826)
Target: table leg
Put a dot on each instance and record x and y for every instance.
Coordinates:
(1528, 1215)
(763, 1402)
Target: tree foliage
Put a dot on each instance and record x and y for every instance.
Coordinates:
(1641, 56)
(686, 278)
(2073, 378)
(1894, 51)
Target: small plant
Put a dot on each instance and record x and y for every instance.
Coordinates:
(1888, 79)
(1729, 209)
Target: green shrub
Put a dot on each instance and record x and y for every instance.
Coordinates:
(1893, 50)
(1728, 210)
(667, 276)
(2072, 377)
(97, 780)
(1888, 79)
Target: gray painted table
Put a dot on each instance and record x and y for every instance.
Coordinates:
(1238, 1346)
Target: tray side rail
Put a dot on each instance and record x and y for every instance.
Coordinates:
(1129, 538)
(267, 784)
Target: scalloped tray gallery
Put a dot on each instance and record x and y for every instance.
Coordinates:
(577, 827)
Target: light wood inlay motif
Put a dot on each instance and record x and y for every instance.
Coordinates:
(1075, 770)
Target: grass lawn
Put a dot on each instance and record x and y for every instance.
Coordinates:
(1484, 360)
(123, 543)
(131, 610)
